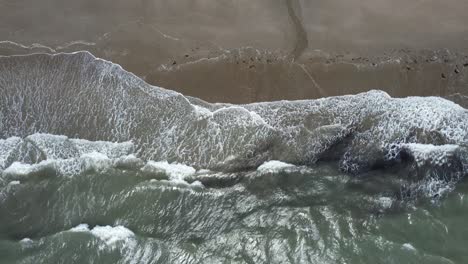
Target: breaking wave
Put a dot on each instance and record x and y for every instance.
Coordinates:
(79, 96)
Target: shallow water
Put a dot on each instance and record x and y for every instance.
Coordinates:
(98, 166)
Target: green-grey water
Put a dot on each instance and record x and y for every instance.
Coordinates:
(109, 153)
(314, 216)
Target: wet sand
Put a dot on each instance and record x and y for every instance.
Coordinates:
(245, 51)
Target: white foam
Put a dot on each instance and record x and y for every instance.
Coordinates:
(90, 162)
(197, 184)
(408, 246)
(429, 148)
(111, 149)
(32, 46)
(437, 155)
(204, 171)
(433, 187)
(202, 112)
(386, 202)
(61, 147)
(108, 234)
(273, 166)
(128, 162)
(64, 167)
(26, 240)
(257, 118)
(52, 146)
(112, 235)
(22, 170)
(80, 228)
(175, 171)
(14, 183)
(7, 148)
(95, 161)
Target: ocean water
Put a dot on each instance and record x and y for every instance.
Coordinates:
(297, 215)
(97, 166)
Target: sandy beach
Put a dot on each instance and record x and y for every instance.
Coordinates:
(247, 51)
